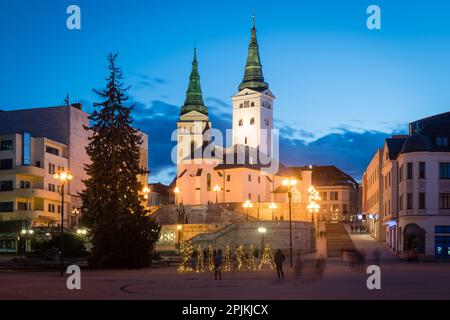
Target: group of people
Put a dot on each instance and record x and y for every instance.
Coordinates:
(358, 228)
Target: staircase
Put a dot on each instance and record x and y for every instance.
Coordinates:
(337, 239)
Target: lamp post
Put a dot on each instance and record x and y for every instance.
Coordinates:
(273, 206)
(247, 205)
(177, 192)
(216, 189)
(289, 183)
(179, 228)
(63, 177)
(262, 231)
(25, 234)
(76, 212)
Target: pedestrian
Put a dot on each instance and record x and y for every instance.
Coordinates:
(218, 265)
(298, 268)
(279, 260)
(320, 266)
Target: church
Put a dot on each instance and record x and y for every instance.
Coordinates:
(249, 170)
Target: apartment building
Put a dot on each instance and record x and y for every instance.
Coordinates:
(415, 189)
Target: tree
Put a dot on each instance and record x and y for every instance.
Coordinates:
(123, 234)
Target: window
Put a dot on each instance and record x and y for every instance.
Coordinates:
(421, 200)
(38, 164)
(241, 123)
(334, 195)
(228, 178)
(6, 145)
(409, 201)
(241, 106)
(442, 141)
(6, 164)
(51, 168)
(252, 104)
(52, 150)
(6, 206)
(6, 186)
(208, 182)
(400, 203)
(51, 207)
(442, 229)
(400, 173)
(26, 149)
(51, 187)
(246, 140)
(410, 171)
(25, 184)
(323, 196)
(22, 206)
(444, 201)
(249, 196)
(421, 170)
(246, 104)
(252, 121)
(345, 209)
(259, 179)
(249, 178)
(444, 170)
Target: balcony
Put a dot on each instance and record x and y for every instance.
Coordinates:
(25, 170)
(39, 217)
(33, 193)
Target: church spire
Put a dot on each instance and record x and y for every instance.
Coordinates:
(253, 77)
(194, 97)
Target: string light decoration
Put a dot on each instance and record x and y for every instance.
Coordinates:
(314, 198)
(267, 258)
(186, 251)
(251, 264)
(240, 256)
(210, 258)
(227, 266)
(199, 266)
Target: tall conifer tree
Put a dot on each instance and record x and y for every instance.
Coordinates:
(123, 234)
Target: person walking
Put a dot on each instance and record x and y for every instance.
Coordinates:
(218, 260)
(279, 260)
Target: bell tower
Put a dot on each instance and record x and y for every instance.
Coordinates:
(253, 104)
(194, 120)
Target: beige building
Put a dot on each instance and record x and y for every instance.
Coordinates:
(415, 189)
(373, 196)
(338, 193)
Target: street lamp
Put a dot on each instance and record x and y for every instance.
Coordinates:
(262, 231)
(82, 232)
(63, 177)
(76, 212)
(216, 189)
(290, 183)
(274, 207)
(177, 192)
(25, 234)
(247, 205)
(179, 228)
(146, 191)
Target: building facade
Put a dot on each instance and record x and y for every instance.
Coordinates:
(416, 189)
(373, 195)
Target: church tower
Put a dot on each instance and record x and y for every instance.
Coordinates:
(194, 119)
(253, 104)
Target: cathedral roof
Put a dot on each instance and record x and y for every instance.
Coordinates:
(253, 77)
(194, 97)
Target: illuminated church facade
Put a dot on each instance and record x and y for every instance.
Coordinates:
(248, 170)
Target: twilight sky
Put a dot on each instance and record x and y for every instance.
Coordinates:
(340, 88)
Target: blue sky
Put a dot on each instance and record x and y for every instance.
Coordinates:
(341, 88)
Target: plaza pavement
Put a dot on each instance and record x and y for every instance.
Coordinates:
(399, 280)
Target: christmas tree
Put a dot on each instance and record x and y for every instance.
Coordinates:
(123, 235)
